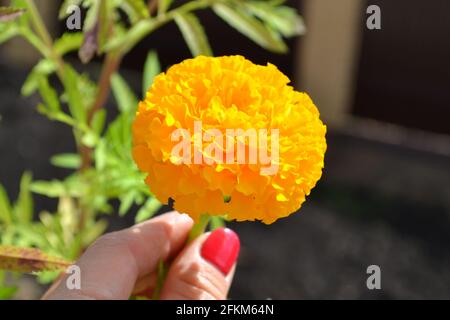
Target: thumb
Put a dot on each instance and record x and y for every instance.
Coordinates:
(204, 269)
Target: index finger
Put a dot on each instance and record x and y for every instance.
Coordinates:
(111, 266)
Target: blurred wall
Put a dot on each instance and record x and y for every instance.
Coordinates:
(329, 54)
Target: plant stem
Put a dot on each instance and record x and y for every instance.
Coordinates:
(110, 65)
(161, 274)
(38, 24)
(199, 228)
(143, 28)
(44, 35)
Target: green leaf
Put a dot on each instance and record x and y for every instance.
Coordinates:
(193, 34)
(47, 277)
(135, 9)
(49, 95)
(152, 68)
(51, 189)
(7, 292)
(10, 13)
(128, 40)
(68, 42)
(23, 208)
(105, 20)
(250, 27)
(91, 15)
(66, 160)
(126, 99)
(90, 139)
(98, 121)
(88, 89)
(72, 82)
(283, 19)
(91, 233)
(5, 207)
(148, 210)
(22, 20)
(100, 155)
(163, 6)
(8, 31)
(42, 69)
(126, 202)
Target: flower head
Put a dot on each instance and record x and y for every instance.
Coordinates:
(224, 136)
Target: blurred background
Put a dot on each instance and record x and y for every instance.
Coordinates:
(384, 198)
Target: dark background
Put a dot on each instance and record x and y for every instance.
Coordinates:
(380, 201)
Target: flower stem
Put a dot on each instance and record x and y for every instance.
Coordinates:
(161, 277)
(199, 228)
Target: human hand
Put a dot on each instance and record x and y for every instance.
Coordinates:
(124, 263)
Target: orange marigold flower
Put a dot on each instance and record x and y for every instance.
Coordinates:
(229, 93)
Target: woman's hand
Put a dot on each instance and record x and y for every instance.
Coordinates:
(124, 263)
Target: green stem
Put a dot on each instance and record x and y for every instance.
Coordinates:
(161, 278)
(143, 28)
(36, 43)
(44, 35)
(199, 228)
(38, 23)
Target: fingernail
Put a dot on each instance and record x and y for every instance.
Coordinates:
(221, 249)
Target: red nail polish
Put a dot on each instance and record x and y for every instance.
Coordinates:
(221, 249)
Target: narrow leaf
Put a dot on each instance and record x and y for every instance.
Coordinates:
(49, 95)
(5, 206)
(136, 9)
(93, 232)
(44, 68)
(283, 19)
(104, 23)
(126, 99)
(66, 160)
(126, 202)
(69, 42)
(250, 27)
(52, 189)
(193, 34)
(7, 32)
(148, 210)
(98, 121)
(152, 68)
(91, 15)
(163, 6)
(75, 98)
(23, 209)
(29, 260)
(9, 13)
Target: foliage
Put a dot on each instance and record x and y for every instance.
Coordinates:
(102, 170)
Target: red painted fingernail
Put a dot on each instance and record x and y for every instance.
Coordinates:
(221, 249)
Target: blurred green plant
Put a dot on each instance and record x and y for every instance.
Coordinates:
(102, 168)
